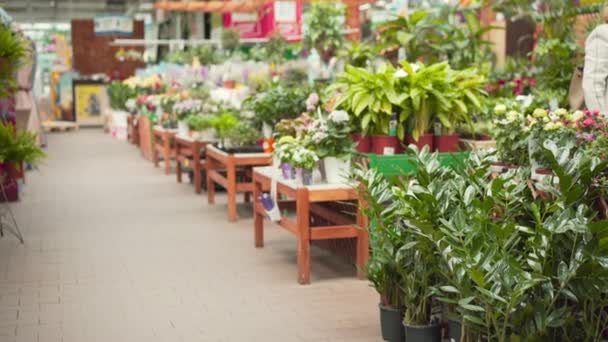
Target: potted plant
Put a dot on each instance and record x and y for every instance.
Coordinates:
(511, 135)
(305, 161)
(223, 124)
(243, 135)
(331, 138)
(183, 110)
(426, 89)
(324, 29)
(373, 101)
(277, 103)
(283, 152)
(383, 267)
(16, 148)
(14, 49)
(465, 96)
(200, 127)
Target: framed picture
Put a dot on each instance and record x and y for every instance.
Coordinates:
(89, 99)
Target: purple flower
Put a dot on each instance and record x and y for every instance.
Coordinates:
(586, 136)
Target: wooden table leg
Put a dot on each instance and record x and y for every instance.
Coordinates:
(178, 164)
(210, 165)
(362, 241)
(258, 218)
(167, 146)
(154, 155)
(303, 222)
(196, 167)
(231, 177)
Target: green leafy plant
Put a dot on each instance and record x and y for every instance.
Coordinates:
(278, 102)
(243, 134)
(371, 98)
(119, 94)
(200, 122)
(358, 54)
(17, 147)
(231, 39)
(224, 123)
(323, 28)
(331, 135)
(12, 51)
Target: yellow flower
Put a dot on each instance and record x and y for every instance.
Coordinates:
(539, 113)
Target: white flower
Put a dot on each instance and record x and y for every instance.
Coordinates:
(577, 116)
(131, 104)
(401, 73)
(512, 116)
(500, 109)
(338, 116)
(525, 100)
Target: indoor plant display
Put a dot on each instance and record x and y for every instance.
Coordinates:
(331, 137)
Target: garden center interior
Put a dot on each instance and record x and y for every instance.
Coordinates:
(303, 170)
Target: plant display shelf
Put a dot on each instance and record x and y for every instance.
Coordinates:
(308, 201)
(400, 164)
(163, 146)
(222, 169)
(188, 154)
(59, 126)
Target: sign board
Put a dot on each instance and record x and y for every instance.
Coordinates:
(113, 25)
(247, 24)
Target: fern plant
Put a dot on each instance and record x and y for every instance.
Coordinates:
(18, 147)
(12, 50)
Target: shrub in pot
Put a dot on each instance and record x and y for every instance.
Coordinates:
(223, 124)
(243, 135)
(277, 103)
(383, 267)
(324, 29)
(200, 127)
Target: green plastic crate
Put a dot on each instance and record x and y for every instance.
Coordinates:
(399, 164)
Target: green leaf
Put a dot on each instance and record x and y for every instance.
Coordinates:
(449, 289)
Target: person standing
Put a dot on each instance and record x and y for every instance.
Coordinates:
(595, 73)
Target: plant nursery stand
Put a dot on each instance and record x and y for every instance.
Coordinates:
(222, 168)
(145, 136)
(163, 145)
(188, 153)
(307, 201)
(132, 130)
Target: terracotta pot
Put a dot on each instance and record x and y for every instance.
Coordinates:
(447, 143)
(423, 140)
(385, 145)
(364, 143)
(230, 84)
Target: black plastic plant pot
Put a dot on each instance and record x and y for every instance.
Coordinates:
(391, 322)
(454, 330)
(422, 333)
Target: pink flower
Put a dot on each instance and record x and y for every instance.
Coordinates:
(596, 112)
(588, 122)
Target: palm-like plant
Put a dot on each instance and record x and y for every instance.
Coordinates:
(12, 51)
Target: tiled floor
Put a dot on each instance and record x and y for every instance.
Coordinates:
(117, 251)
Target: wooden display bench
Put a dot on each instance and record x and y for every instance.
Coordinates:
(308, 201)
(132, 129)
(59, 126)
(163, 146)
(188, 154)
(222, 169)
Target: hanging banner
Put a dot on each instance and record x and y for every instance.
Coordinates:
(247, 24)
(121, 25)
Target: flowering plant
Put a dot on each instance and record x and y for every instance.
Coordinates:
(304, 158)
(510, 135)
(184, 109)
(283, 149)
(297, 127)
(331, 135)
(592, 132)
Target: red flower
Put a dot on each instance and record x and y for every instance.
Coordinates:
(532, 82)
(502, 82)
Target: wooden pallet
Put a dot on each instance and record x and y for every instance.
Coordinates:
(59, 126)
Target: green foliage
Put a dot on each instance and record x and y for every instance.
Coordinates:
(244, 134)
(206, 55)
(278, 102)
(12, 51)
(358, 54)
(200, 122)
(19, 147)
(224, 123)
(231, 39)
(370, 98)
(323, 27)
(119, 93)
(416, 33)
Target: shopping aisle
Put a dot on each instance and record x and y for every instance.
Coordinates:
(117, 251)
